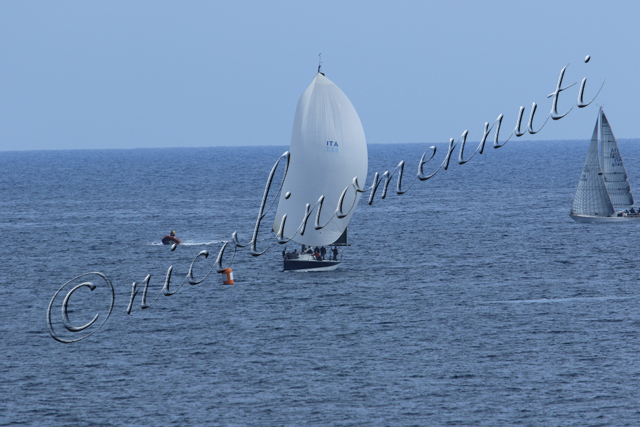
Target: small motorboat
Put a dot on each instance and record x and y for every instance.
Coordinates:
(171, 239)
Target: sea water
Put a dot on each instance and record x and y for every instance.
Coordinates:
(473, 299)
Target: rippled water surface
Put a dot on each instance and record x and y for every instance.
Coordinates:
(471, 300)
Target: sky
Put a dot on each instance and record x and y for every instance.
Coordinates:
(146, 74)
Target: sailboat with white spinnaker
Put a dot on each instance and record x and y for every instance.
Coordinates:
(328, 150)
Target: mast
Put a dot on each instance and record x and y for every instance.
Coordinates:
(615, 174)
(592, 198)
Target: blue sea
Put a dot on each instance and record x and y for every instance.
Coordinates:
(471, 300)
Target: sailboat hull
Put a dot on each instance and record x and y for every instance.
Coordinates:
(313, 265)
(603, 219)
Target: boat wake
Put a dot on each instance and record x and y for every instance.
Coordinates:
(190, 243)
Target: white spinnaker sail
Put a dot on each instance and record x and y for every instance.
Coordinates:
(615, 175)
(328, 149)
(591, 197)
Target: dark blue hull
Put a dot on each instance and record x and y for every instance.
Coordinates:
(310, 265)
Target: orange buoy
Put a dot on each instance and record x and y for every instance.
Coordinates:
(229, 275)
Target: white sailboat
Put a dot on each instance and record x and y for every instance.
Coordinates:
(603, 190)
(328, 150)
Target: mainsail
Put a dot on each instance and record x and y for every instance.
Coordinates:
(328, 149)
(592, 198)
(615, 175)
